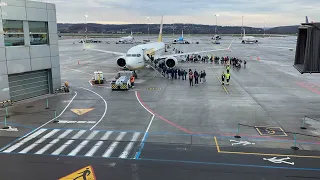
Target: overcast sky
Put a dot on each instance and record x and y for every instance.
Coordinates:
(255, 12)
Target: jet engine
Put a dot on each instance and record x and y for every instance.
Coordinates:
(171, 62)
(121, 62)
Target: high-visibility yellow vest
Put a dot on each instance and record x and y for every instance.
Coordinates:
(228, 67)
(228, 76)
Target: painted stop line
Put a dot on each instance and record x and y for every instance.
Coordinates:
(76, 122)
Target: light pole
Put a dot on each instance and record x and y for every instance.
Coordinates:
(148, 27)
(264, 29)
(215, 31)
(85, 21)
(173, 29)
(242, 26)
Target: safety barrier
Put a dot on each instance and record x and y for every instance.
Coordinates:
(303, 122)
(269, 131)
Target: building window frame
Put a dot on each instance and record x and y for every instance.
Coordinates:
(8, 33)
(46, 34)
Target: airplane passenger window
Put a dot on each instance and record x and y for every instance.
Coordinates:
(134, 55)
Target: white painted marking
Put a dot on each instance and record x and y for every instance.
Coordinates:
(48, 146)
(98, 144)
(81, 122)
(91, 122)
(244, 143)
(279, 161)
(15, 146)
(83, 144)
(129, 146)
(105, 109)
(106, 135)
(66, 144)
(10, 129)
(113, 146)
(151, 120)
(77, 71)
(94, 149)
(39, 141)
(44, 123)
(62, 121)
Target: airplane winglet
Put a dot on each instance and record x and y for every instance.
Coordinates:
(230, 45)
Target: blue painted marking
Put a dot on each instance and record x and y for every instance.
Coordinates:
(9, 144)
(141, 146)
(231, 164)
(19, 125)
(180, 161)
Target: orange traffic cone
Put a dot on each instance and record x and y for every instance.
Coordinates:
(258, 58)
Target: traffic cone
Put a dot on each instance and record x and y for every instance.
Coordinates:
(258, 58)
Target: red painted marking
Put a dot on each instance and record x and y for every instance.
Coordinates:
(220, 134)
(164, 119)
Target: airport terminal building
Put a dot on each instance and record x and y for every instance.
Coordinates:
(29, 53)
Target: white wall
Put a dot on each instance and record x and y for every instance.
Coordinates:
(19, 59)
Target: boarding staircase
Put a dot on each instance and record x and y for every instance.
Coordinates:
(153, 64)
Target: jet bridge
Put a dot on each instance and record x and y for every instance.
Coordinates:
(307, 59)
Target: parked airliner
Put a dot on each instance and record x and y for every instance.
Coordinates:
(136, 57)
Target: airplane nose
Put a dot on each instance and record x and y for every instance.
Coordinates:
(131, 63)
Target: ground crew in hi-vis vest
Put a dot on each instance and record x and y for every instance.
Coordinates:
(228, 69)
(223, 76)
(228, 78)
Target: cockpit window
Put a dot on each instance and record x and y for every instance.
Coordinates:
(128, 55)
(139, 55)
(134, 55)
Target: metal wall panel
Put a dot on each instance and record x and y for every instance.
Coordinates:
(29, 84)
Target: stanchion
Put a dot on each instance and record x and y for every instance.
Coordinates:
(55, 117)
(47, 104)
(294, 147)
(7, 114)
(238, 132)
(303, 123)
(5, 123)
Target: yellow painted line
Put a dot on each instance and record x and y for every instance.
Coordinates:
(263, 154)
(217, 145)
(224, 88)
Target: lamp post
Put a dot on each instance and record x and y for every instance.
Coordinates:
(85, 21)
(264, 29)
(242, 26)
(173, 29)
(148, 27)
(215, 31)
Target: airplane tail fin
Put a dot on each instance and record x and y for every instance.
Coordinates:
(160, 33)
(307, 21)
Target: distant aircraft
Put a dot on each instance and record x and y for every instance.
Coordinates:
(126, 39)
(248, 39)
(180, 40)
(216, 37)
(138, 56)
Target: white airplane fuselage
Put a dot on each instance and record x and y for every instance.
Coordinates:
(136, 56)
(249, 39)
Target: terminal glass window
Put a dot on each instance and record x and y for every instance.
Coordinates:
(13, 33)
(38, 33)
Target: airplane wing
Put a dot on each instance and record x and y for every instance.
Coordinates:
(197, 52)
(109, 52)
(99, 50)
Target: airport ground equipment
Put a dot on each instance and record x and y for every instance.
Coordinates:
(307, 59)
(122, 81)
(98, 77)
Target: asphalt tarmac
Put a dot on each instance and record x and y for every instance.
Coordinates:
(165, 129)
